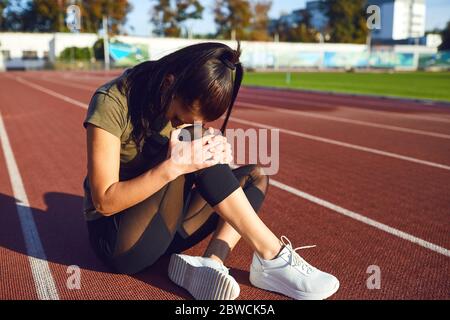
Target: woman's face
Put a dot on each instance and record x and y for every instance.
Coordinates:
(178, 114)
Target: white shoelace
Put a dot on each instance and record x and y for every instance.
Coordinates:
(296, 260)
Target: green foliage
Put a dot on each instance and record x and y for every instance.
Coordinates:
(303, 32)
(92, 12)
(347, 20)
(445, 45)
(49, 15)
(75, 53)
(233, 15)
(168, 20)
(98, 48)
(248, 19)
(260, 21)
(3, 5)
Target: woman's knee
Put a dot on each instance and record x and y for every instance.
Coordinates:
(216, 183)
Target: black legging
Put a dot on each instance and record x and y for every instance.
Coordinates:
(173, 219)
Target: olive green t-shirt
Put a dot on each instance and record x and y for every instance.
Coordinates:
(108, 110)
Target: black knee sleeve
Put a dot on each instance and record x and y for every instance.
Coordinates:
(216, 183)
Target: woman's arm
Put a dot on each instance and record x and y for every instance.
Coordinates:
(110, 196)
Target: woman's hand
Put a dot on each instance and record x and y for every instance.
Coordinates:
(189, 156)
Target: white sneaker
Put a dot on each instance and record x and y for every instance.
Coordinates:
(204, 278)
(291, 275)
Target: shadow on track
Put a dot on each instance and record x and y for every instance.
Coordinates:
(64, 236)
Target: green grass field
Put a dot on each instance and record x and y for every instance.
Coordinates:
(425, 85)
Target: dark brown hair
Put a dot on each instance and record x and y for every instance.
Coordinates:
(202, 71)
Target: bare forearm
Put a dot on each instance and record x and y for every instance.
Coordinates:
(124, 194)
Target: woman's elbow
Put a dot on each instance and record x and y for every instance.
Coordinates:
(103, 207)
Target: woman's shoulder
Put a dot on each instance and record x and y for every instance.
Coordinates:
(108, 109)
(114, 90)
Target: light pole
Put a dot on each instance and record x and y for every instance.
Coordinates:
(369, 47)
(233, 34)
(320, 37)
(106, 42)
(276, 37)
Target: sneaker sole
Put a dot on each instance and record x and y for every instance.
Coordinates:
(203, 283)
(270, 283)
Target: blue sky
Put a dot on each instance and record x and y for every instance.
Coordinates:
(438, 13)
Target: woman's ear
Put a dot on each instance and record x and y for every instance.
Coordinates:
(168, 80)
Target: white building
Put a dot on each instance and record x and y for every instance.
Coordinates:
(400, 19)
(34, 50)
(432, 40)
(23, 50)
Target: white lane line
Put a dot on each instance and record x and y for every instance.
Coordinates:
(320, 104)
(52, 93)
(344, 144)
(263, 125)
(361, 218)
(358, 217)
(68, 83)
(90, 79)
(43, 279)
(344, 120)
(351, 214)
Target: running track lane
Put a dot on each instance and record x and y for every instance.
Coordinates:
(409, 201)
(376, 103)
(298, 228)
(426, 120)
(365, 108)
(402, 143)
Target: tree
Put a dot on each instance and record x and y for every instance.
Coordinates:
(75, 53)
(445, 45)
(48, 16)
(232, 16)
(347, 20)
(44, 16)
(301, 33)
(98, 48)
(3, 5)
(168, 20)
(92, 12)
(260, 20)
(12, 17)
(296, 32)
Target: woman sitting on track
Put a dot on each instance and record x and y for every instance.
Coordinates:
(140, 202)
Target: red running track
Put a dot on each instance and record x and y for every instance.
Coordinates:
(403, 187)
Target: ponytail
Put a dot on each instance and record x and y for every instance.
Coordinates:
(235, 65)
